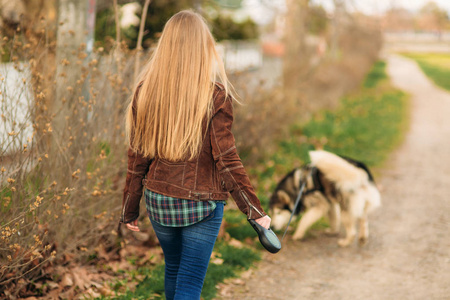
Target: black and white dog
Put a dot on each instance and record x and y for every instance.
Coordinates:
(338, 186)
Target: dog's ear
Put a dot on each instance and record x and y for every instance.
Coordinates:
(283, 197)
(297, 177)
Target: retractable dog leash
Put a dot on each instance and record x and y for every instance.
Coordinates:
(267, 237)
(297, 201)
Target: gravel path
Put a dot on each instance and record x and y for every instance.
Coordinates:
(408, 254)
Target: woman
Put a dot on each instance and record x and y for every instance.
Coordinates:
(183, 152)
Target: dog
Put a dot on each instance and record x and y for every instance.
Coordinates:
(335, 185)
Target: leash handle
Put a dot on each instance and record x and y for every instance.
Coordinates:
(267, 237)
(297, 201)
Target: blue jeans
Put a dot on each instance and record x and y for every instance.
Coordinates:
(187, 251)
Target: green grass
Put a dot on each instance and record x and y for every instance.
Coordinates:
(237, 225)
(376, 75)
(435, 65)
(366, 126)
(150, 287)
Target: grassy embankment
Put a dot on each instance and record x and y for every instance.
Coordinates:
(367, 126)
(435, 65)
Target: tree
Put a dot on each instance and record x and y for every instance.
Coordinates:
(398, 19)
(339, 11)
(296, 58)
(157, 15)
(433, 18)
(317, 22)
(225, 28)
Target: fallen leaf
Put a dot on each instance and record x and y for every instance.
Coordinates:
(105, 290)
(90, 292)
(52, 285)
(217, 261)
(80, 277)
(66, 280)
(239, 281)
(101, 252)
(120, 265)
(236, 243)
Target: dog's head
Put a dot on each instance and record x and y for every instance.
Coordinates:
(282, 201)
(280, 208)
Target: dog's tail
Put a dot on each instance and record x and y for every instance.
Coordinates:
(346, 176)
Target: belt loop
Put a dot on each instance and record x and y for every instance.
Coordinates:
(194, 196)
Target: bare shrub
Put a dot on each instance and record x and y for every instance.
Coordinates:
(61, 147)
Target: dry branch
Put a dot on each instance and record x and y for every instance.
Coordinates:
(139, 41)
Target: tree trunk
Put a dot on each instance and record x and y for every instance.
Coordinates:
(295, 65)
(339, 8)
(137, 61)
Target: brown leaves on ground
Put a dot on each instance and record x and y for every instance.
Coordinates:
(67, 278)
(225, 289)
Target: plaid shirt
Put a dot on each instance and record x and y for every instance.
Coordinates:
(176, 212)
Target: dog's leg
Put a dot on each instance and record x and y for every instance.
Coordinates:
(334, 215)
(363, 234)
(350, 232)
(311, 216)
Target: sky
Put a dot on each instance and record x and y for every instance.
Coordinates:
(377, 7)
(262, 11)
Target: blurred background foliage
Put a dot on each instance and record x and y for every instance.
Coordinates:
(158, 13)
(223, 26)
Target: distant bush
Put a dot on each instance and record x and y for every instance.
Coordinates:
(225, 28)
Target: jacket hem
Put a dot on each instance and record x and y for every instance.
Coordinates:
(182, 193)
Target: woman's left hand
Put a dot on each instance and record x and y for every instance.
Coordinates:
(133, 226)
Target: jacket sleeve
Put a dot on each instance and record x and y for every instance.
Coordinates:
(132, 193)
(138, 166)
(233, 177)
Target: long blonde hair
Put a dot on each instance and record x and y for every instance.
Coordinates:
(175, 96)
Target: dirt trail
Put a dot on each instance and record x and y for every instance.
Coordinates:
(408, 254)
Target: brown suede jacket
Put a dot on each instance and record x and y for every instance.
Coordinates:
(215, 173)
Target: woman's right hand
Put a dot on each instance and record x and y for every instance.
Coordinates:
(264, 221)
